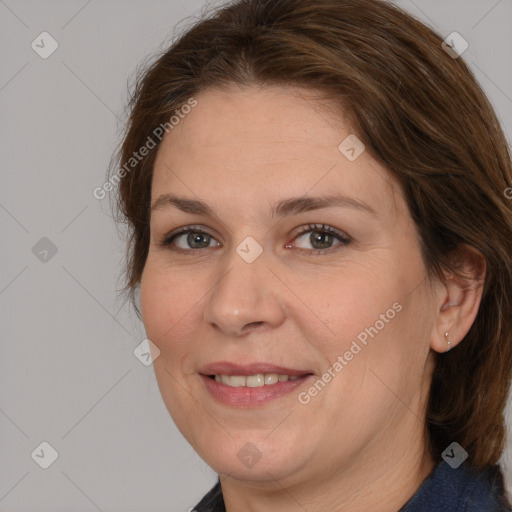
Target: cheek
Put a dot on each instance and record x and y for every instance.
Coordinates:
(371, 314)
(167, 306)
(353, 302)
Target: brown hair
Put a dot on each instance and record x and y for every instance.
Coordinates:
(419, 111)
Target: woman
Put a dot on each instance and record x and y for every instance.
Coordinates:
(322, 243)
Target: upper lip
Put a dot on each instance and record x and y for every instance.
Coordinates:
(227, 368)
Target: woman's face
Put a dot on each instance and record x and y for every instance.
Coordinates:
(259, 288)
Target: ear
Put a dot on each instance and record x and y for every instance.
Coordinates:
(458, 299)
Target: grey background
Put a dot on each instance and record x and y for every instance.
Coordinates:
(68, 373)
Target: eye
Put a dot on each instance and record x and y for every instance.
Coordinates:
(321, 237)
(195, 238)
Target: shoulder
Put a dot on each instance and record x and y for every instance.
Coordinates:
(212, 501)
(464, 489)
(485, 490)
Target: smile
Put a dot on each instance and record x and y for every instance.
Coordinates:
(252, 381)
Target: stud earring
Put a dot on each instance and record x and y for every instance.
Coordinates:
(449, 343)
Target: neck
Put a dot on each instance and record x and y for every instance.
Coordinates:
(384, 481)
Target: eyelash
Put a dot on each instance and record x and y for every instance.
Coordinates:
(320, 228)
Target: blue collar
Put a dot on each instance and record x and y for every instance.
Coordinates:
(465, 489)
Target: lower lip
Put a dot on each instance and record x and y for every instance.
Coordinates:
(251, 397)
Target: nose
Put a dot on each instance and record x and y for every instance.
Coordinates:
(245, 297)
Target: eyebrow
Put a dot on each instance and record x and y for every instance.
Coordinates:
(292, 206)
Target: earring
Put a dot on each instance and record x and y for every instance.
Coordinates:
(447, 341)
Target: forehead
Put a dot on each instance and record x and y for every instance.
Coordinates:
(265, 142)
(249, 118)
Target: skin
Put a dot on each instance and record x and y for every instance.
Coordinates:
(360, 443)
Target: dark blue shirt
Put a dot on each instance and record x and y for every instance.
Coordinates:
(464, 489)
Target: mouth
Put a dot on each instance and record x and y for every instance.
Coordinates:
(251, 385)
(252, 381)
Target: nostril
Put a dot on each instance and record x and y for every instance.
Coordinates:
(253, 324)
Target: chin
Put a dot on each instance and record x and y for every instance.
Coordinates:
(254, 457)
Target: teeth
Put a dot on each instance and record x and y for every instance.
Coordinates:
(253, 381)
(237, 381)
(271, 378)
